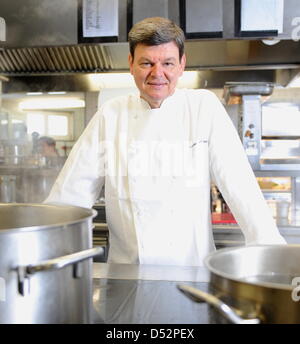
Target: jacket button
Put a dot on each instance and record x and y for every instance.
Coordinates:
(132, 149)
(138, 213)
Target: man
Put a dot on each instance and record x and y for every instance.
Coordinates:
(156, 154)
(47, 146)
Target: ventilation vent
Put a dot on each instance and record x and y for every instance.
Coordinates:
(83, 58)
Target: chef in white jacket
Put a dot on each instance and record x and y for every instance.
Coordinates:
(157, 154)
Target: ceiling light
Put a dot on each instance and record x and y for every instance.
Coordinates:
(270, 41)
(51, 103)
(34, 93)
(286, 105)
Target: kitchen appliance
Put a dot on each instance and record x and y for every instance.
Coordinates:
(269, 130)
(253, 284)
(248, 95)
(7, 189)
(280, 136)
(45, 269)
(14, 153)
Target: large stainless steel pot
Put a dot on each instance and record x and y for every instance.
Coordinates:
(254, 284)
(45, 270)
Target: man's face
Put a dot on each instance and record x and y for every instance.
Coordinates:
(156, 69)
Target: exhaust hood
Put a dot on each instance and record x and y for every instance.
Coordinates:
(56, 59)
(68, 67)
(201, 55)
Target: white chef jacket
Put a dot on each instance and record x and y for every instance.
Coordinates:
(157, 166)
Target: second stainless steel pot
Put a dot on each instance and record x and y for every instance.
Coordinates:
(254, 284)
(45, 265)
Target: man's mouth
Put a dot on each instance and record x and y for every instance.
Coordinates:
(157, 84)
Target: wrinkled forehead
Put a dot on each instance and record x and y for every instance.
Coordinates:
(164, 50)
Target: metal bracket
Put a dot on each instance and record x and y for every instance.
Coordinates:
(23, 280)
(77, 270)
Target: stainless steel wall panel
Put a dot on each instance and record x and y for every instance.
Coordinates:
(204, 16)
(40, 22)
(145, 8)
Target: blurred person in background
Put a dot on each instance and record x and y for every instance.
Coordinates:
(47, 146)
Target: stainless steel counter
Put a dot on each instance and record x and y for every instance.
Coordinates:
(227, 235)
(141, 294)
(150, 272)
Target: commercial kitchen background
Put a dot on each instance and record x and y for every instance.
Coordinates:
(53, 79)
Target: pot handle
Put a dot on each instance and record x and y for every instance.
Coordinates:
(24, 272)
(228, 312)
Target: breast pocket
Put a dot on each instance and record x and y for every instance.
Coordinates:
(197, 168)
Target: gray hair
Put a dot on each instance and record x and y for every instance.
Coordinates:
(156, 31)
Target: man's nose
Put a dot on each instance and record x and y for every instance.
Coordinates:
(157, 70)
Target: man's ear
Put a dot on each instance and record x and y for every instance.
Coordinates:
(183, 63)
(130, 62)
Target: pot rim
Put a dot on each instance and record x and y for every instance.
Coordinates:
(219, 273)
(92, 212)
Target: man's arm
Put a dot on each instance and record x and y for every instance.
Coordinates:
(82, 177)
(235, 179)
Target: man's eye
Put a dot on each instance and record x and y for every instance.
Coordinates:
(168, 64)
(146, 64)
